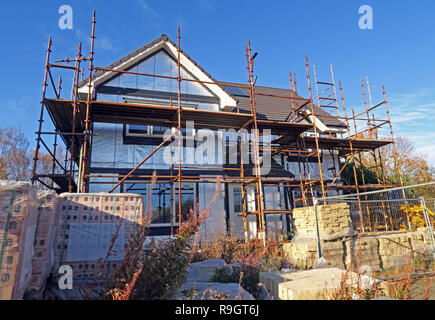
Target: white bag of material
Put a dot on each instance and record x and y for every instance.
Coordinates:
(18, 212)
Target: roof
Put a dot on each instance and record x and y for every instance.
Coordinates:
(279, 109)
(268, 108)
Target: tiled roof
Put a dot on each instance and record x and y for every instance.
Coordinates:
(279, 109)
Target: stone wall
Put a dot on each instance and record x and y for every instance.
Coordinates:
(332, 219)
(341, 245)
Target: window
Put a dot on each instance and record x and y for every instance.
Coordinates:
(134, 130)
(161, 201)
(237, 199)
(5, 277)
(9, 260)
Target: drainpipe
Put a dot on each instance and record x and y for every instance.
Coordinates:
(319, 249)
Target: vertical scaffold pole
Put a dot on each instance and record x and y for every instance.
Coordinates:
(86, 143)
(256, 144)
(353, 160)
(179, 109)
(41, 116)
(396, 153)
(315, 128)
(75, 111)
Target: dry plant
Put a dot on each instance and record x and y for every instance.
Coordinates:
(401, 289)
(253, 253)
(344, 291)
(214, 295)
(131, 262)
(348, 289)
(156, 273)
(428, 281)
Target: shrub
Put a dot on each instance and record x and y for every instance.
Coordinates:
(156, 273)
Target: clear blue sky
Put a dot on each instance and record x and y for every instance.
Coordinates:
(398, 53)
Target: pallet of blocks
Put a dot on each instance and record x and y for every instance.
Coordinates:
(18, 213)
(93, 231)
(43, 258)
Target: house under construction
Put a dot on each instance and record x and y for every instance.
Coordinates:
(122, 125)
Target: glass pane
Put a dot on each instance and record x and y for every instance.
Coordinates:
(128, 80)
(187, 201)
(138, 129)
(146, 82)
(238, 202)
(163, 66)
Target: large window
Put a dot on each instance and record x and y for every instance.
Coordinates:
(161, 200)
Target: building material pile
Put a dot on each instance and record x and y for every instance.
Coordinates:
(317, 284)
(93, 230)
(43, 258)
(332, 220)
(341, 246)
(18, 216)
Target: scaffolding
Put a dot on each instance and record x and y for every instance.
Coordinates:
(73, 119)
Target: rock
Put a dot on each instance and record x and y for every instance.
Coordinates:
(262, 293)
(318, 284)
(203, 271)
(321, 264)
(366, 270)
(234, 266)
(212, 291)
(356, 297)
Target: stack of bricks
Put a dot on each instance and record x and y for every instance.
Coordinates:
(18, 212)
(43, 257)
(301, 255)
(86, 224)
(332, 219)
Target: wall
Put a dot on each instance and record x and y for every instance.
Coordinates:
(341, 246)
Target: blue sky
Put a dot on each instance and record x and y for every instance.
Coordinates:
(398, 53)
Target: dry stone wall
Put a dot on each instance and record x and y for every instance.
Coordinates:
(332, 219)
(341, 246)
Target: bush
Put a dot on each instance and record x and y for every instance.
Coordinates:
(156, 274)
